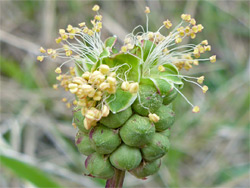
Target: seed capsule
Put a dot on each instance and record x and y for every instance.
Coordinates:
(126, 157)
(158, 147)
(78, 120)
(167, 118)
(137, 131)
(148, 101)
(116, 120)
(170, 97)
(83, 143)
(99, 166)
(146, 169)
(103, 139)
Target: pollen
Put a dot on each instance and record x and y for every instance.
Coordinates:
(192, 21)
(178, 40)
(133, 87)
(125, 86)
(196, 109)
(200, 79)
(204, 42)
(98, 17)
(124, 49)
(167, 24)
(82, 24)
(212, 59)
(207, 48)
(200, 27)
(204, 89)
(161, 68)
(40, 58)
(42, 50)
(104, 69)
(186, 17)
(58, 40)
(95, 8)
(58, 70)
(103, 86)
(147, 10)
(154, 118)
(69, 28)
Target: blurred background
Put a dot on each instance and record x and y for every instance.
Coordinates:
(209, 149)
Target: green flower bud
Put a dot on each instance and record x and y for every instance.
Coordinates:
(99, 166)
(104, 140)
(170, 97)
(166, 133)
(137, 131)
(147, 101)
(157, 148)
(126, 157)
(78, 120)
(167, 118)
(116, 120)
(146, 169)
(83, 143)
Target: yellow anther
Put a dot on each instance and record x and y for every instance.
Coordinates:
(58, 70)
(154, 118)
(64, 99)
(79, 80)
(167, 24)
(42, 50)
(68, 53)
(195, 29)
(82, 102)
(103, 86)
(147, 10)
(133, 87)
(182, 32)
(196, 109)
(75, 102)
(150, 35)
(85, 30)
(82, 24)
(90, 114)
(59, 77)
(98, 17)
(54, 56)
(201, 49)
(111, 80)
(161, 68)
(55, 86)
(90, 32)
(40, 58)
(64, 36)
(112, 74)
(196, 51)
(105, 111)
(91, 93)
(58, 40)
(207, 48)
(125, 86)
(68, 105)
(204, 89)
(200, 79)
(200, 27)
(192, 21)
(111, 89)
(130, 46)
(61, 31)
(178, 40)
(127, 40)
(91, 103)
(74, 125)
(104, 69)
(139, 38)
(187, 29)
(49, 51)
(196, 62)
(165, 50)
(192, 35)
(124, 49)
(88, 123)
(69, 28)
(87, 88)
(187, 65)
(66, 47)
(212, 59)
(95, 8)
(186, 17)
(204, 42)
(86, 75)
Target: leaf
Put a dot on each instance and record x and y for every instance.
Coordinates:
(28, 172)
(110, 42)
(105, 53)
(128, 65)
(121, 100)
(148, 47)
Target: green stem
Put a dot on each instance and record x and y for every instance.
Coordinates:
(117, 180)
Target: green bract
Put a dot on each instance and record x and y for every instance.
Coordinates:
(169, 97)
(78, 119)
(126, 157)
(137, 131)
(104, 140)
(116, 120)
(167, 117)
(83, 143)
(99, 166)
(146, 169)
(157, 148)
(148, 100)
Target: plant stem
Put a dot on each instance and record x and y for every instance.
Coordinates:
(117, 180)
